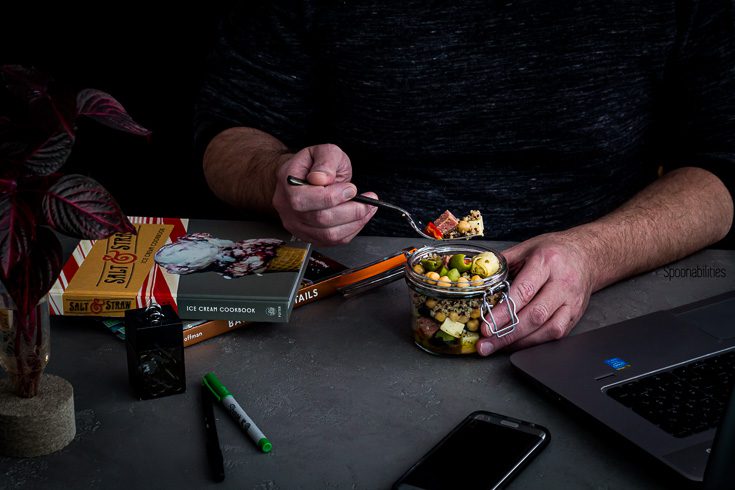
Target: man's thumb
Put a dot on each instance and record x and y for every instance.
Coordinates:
(329, 163)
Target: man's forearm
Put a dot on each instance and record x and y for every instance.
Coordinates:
(240, 166)
(678, 214)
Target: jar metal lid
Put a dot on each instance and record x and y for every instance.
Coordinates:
(420, 284)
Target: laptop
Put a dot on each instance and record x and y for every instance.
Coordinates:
(663, 381)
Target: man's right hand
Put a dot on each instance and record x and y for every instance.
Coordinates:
(322, 212)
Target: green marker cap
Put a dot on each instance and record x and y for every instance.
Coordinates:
(265, 445)
(218, 389)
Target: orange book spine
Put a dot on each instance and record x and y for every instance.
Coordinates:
(329, 286)
(307, 294)
(207, 330)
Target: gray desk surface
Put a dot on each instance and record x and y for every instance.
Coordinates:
(346, 398)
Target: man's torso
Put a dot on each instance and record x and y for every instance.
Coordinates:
(540, 114)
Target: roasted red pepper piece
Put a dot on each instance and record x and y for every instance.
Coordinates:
(432, 230)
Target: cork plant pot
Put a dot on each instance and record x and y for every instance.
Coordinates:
(36, 410)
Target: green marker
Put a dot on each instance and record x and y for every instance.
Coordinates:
(223, 395)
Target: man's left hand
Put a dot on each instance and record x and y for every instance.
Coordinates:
(554, 277)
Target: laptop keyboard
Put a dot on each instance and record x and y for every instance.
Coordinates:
(684, 400)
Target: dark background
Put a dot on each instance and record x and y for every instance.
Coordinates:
(149, 58)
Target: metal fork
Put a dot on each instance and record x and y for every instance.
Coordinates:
(415, 224)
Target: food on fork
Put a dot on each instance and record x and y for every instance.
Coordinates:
(447, 226)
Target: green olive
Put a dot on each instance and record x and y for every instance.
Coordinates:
(460, 262)
(431, 265)
(453, 275)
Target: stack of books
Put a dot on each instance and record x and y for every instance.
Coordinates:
(230, 272)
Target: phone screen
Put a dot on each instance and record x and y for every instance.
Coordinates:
(478, 454)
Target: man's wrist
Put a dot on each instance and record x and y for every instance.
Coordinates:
(594, 254)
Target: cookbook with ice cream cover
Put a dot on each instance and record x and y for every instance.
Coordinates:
(216, 270)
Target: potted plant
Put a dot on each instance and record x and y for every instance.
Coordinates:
(37, 132)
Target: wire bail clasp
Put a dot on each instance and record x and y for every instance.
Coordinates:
(487, 308)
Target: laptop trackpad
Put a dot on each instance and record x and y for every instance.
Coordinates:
(714, 319)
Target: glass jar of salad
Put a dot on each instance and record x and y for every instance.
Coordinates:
(453, 290)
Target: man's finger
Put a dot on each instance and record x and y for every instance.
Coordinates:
(341, 214)
(532, 317)
(315, 197)
(336, 235)
(367, 218)
(516, 255)
(329, 165)
(524, 287)
(299, 164)
(529, 281)
(558, 326)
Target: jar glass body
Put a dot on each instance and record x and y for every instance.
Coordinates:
(432, 304)
(24, 345)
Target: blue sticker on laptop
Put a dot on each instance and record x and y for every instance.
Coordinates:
(617, 363)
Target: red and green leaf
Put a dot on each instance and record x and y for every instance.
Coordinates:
(38, 137)
(34, 274)
(103, 108)
(17, 229)
(80, 207)
(50, 155)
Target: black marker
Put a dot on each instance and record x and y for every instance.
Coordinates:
(214, 453)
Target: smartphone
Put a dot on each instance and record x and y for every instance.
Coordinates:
(485, 451)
